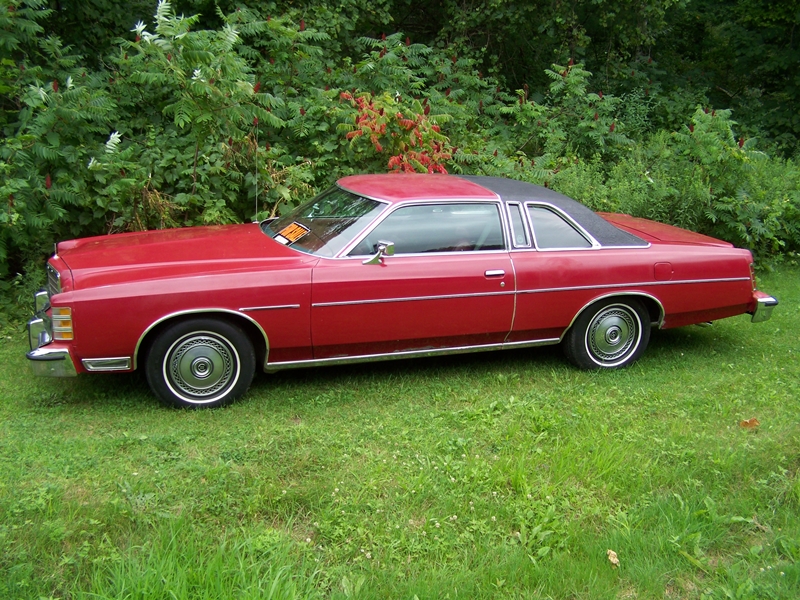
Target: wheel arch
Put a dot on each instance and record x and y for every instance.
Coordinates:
(652, 304)
(254, 332)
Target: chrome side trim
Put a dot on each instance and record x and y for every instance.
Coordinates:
(364, 358)
(409, 299)
(616, 295)
(51, 362)
(197, 311)
(276, 307)
(763, 310)
(122, 363)
(630, 285)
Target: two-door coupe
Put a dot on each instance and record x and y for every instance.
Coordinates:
(379, 267)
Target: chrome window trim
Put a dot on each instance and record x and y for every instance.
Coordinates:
(410, 299)
(118, 363)
(589, 238)
(497, 202)
(526, 226)
(418, 254)
(275, 307)
(196, 311)
(591, 249)
(366, 358)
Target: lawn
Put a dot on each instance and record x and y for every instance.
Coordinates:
(502, 475)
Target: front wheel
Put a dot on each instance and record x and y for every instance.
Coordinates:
(610, 333)
(200, 363)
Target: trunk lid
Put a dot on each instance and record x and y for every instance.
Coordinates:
(655, 232)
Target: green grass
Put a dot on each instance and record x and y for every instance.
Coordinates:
(503, 475)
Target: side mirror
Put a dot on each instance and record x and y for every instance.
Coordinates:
(384, 249)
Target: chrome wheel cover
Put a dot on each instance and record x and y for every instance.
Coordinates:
(613, 335)
(201, 366)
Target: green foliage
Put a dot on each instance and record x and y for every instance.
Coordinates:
(178, 123)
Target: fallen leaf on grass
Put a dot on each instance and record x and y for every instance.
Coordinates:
(749, 423)
(612, 558)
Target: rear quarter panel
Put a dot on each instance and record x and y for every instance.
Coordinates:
(693, 284)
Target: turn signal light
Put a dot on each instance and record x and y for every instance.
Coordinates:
(62, 323)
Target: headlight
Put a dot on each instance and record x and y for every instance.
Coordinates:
(62, 323)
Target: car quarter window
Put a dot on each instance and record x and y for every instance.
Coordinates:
(451, 227)
(518, 230)
(551, 230)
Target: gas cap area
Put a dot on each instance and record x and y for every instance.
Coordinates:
(662, 271)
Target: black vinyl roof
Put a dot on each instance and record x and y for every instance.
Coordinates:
(511, 190)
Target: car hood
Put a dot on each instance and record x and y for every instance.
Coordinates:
(655, 232)
(108, 259)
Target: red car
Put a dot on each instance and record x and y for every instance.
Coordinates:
(375, 268)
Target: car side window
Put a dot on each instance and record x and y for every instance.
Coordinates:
(451, 227)
(551, 230)
(518, 229)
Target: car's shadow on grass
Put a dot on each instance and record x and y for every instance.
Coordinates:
(345, 383)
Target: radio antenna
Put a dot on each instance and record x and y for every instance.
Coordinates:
(255, 216)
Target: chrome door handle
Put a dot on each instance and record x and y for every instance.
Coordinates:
(495, 273)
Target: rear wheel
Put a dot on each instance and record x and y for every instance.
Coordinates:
(610, 333)
(200, 363)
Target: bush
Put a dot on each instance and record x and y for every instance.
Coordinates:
(186, 126)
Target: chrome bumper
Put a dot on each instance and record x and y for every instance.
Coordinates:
(51, 362)
(46, 360)
(764, 306)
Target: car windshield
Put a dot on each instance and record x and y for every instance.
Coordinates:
(325, 224)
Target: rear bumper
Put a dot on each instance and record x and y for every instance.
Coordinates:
(764, 305)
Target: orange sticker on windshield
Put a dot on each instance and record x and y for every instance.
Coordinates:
(293, 232)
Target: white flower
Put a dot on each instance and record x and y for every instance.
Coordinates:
(139, 27)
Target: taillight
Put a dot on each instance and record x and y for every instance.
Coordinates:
(753, 275)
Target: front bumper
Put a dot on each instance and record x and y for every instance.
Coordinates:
(51, 362)
(46, 358)
(764, 305)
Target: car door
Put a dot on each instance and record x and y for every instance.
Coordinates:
(450, 284)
